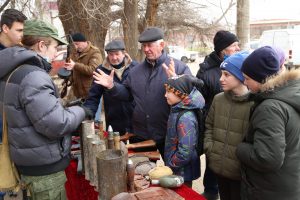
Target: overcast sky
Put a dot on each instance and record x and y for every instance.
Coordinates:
(259, 9)
(274, 9)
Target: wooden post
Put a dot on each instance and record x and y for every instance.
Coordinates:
(89, 176)
(111, 169)
(97, 146)
(87, 129)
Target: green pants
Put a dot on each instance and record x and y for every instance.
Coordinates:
(49, 187)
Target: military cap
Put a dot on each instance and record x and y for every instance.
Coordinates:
(151, 34)
(43, 29)
(115, 45)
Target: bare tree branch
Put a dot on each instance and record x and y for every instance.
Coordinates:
(4, 5)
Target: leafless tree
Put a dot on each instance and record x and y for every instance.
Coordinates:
(4, 5)
(242, 25)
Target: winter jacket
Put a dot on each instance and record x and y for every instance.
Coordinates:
(210, 73)
(118, 113)
(181, 140)
(145, 84)
(1, 48)
(39, 127)
(85, 64)
(226, 125)
(270, 154)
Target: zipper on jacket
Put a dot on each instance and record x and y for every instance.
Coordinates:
(226, 138)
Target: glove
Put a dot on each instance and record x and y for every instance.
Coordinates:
(88, 113)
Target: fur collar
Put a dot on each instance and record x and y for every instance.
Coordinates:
(280, 79)
(107, 65)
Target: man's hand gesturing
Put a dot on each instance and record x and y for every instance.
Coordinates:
(103, 79)
(170, 70)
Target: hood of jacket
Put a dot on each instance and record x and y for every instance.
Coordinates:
(195, 100)
(13, 57)
(284, 87)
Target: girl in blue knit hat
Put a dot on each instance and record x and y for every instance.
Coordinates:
(226, 124)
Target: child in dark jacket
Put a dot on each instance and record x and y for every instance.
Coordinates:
(181, 139)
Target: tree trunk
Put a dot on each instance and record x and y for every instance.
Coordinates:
(243, 26)
(149, 20)
(130, 28)
(76, 16)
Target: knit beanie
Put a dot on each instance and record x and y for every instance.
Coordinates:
(281, 55)
(78, 37)
(233, 64)
(261, 63)
(223, 39)
(183, 85)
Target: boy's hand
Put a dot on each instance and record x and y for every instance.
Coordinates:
(170, 70)
(103, 79)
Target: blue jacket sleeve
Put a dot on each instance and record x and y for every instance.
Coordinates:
(187, 140)
(93, 99)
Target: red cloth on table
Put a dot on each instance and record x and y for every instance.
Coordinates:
(78, 188)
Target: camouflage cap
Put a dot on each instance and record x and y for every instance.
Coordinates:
(41, 28)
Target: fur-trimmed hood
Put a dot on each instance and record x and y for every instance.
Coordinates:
(284, 87)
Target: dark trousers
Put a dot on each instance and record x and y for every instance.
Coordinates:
(229, 189)
(210, 182)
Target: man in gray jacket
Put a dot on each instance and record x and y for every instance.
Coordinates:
(39, 127)
(145, 85)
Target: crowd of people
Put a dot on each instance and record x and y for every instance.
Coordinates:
(250, 105)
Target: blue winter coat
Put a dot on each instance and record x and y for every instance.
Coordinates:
(118, 113)
(180, 144)
(145, 84)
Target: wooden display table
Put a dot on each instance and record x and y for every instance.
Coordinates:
(78, 188)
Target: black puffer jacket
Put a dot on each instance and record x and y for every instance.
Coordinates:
(210, 73)
(39, 127)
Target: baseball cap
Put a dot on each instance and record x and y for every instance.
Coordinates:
(41, 28)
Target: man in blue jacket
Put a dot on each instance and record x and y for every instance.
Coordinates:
(145, 85)
(118, 113)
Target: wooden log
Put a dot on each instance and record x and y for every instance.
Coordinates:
(89, 176)
(88, 128)
(111, 169)
(97, 147)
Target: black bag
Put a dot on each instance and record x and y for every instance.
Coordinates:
(201, 126)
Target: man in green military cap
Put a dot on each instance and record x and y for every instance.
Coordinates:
(39, 126)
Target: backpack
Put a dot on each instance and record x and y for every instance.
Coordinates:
(201, 126)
